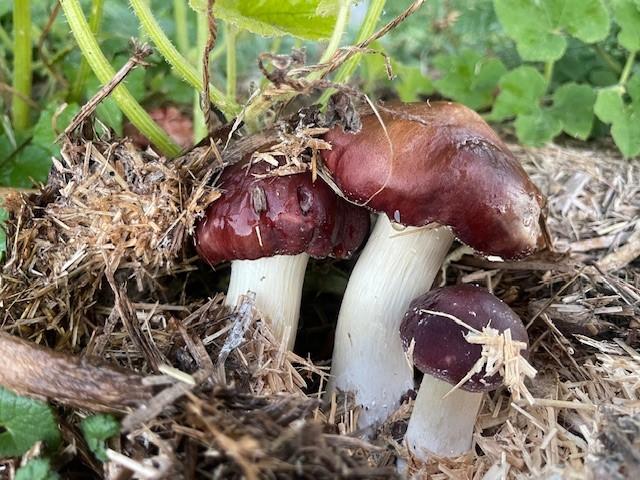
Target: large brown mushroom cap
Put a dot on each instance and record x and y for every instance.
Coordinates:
(440, 349)
(277, 215)
(450, 168)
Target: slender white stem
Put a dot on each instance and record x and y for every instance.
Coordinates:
(442, 426)
(368, 359)
(277, 283)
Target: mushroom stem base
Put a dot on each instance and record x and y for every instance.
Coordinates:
(395, 267)
(442, 426)
(277, 283)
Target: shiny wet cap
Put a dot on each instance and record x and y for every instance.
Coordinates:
(440, 163)
(277, 215)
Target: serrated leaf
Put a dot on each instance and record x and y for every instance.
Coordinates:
(309, 19)
(469, 78)
(520, 93)
(627, 15)
(533, 25)
(573, 107)
(25, 421)
(587, 20)
(537, 128)
(37, 469)
(97, 429)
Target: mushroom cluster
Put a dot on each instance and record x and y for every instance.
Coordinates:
(433, 171)
(268, 226)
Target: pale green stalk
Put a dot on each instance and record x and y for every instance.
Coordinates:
(628, 67)
(199, 125)
(231, 35)
(21, 64)
(182, 26)
(176, 60)
(95, 19)
(338, 30)
(255, 109)
(366, 30)
(103, 70)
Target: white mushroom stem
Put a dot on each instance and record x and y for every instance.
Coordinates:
(277, 283)
(368, 359)
(439, 425)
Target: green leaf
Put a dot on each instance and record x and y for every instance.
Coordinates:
(533, 25)
(50, 124)
(97, 429)
(573, 107)
(30, 165)
(469, 78)
(520, 93)
(587, 20)
(627, 15)
(610, 107)
(537, 26)
(410, 82)
(37, 469)
(25, 421)
(537, 128)
(309, 19)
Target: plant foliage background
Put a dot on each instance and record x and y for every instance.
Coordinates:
(539, 68)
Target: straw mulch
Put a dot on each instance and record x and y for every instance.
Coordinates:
(99, 266)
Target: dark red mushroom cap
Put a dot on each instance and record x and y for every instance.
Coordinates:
(450, 167)
(440, 349)
(277, 215)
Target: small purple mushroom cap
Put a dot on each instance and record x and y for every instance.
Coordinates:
(440, 348)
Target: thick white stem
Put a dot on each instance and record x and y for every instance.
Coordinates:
(368, 359)
(277, 283)
(442, 426)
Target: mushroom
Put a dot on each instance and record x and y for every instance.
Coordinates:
(439, 167)
(443, 418)
(268, 226)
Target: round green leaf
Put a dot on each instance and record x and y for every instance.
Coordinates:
(537, 128)
(520, 93)
(573, 107)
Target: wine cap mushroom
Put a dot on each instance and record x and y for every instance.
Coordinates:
(439, 162)
(268, 226)
(277, 215)
(443, 419)
(439, 345)
(439, 170)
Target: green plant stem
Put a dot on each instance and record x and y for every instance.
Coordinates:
(338, 30)
(608, 59)
(548, 72)
(199, 125)
(368, 27)
(177, 61)
(628, 67)
(103, 70)
(182, 26)
(231, 35)
(255, 109)
(95, 19)
(21, 63)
